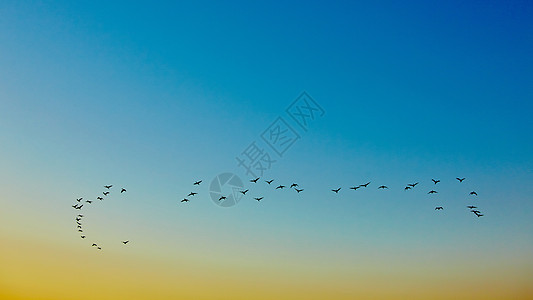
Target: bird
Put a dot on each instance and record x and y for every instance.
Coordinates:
(255, 180)
(89, 201)
(336, 190)
(479, 215)
(383, 187)
(185, 200)
(99, 248)
(100, 198)
(82, 236)
(108, 186)
(460, 179)
(94, 245)
(435, 181)
(122, 190)
(259, 198)
(222, 198)
(79, 199)
(407, 188)
(125, 242)
(79, 207)
(105, 193)
(78, 223)
(476, 211)
(192, 194)
(438, 208)
(80, 230)
(412, 184)
(78, 219)
(75, 206)
(244, 192)
(471, 206)
(280, 187)
(81, 216)
(293, 185)
(432, 192)
(298, 191)
(197, 182)
(365, 185)
(473, 193)
(79, 226)
(269, 181)
(354, 187)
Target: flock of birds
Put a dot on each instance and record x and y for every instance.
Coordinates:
(79, 206)
(295, 187)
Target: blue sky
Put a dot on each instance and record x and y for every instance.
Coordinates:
(153, 97)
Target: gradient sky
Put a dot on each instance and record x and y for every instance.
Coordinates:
(152, 97)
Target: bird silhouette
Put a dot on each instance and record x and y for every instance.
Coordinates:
(81, 216)
(365, 185)
(407, 188)
(105, 193)
(476, 211)
(75, 206)
(269, 181)
(473, 193)
(108, 186)
(244, 192)
(82, 236)
(185, 200)
(122, 190)
(412, 184)
(255, 180)
(192, 194)
(435, 181)
(354, 187)
(94, 245)
(78, 219)
(383, 187)
(89, 201)
(438, 208)
(293, 185)
(79, 226)
(125, 242)
(222, 198)
(79, 199)
(197, 182)
(471, 206)
(80, 230)
(100, 198)
(79, 206)
(280, 187)
(432, 192)
(298, 191)
(259, 198)
(336, 190)
(99, 248)
(460, 179)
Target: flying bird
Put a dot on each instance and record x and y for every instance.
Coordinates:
(336, 191)
(476, 211)
(473, 193)
(185, 200)
(100, 198)
(407, 188)
(82, 236)
(108, 186)
(460, 179)
(81, 216)
(365, 185)
(383, 187)
(432, 192)
(259, 198)
(280, 187)
(99, 248)
(222, 198)
(89, 201)
(435, 181)
(471, 207)
(293, 185)
(79, 199)
(197, 182)
(79, 207)
(438, 208)
(94, 245)
(255, 180)
(192, 194)
(354, 187)
(269, 181)
(105, 193)
(244, 192)
(298, 191)
(125, 242)
(79, 226)
(78, 219)
(412, 184)
(122, 190)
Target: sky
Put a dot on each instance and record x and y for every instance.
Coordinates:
(152, 97)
